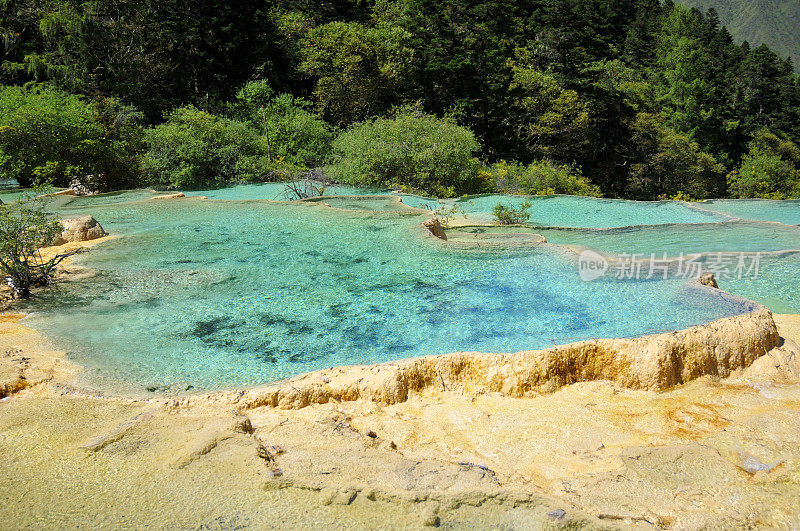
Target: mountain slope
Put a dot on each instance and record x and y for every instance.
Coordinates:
(773, 22)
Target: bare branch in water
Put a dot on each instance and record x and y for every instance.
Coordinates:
(305, 185)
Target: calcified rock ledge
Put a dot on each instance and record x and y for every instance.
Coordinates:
(653, 363)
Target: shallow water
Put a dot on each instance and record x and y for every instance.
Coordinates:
(787, 212)
(741, 236)
(219, 294)
(273, 192)
(10, 191)
(372, 203)
(776, 285)
(551, 211)
(588, 212)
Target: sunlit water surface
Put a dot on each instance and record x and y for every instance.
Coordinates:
(218, 294)
(787, 212)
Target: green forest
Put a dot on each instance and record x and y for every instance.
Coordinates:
(637, 99)
(773, 22)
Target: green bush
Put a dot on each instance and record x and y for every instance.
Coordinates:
(49, 136)
(506, 215)
(770, 170)
(667, 162)
(764, 176)
(415, 150)
(195, 149)
(538, 178)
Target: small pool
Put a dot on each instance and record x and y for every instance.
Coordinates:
(273, 192)
(589, 212)
(776, 285)
(741, 236)
(787, 212)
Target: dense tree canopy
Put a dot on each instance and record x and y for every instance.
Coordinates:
(641, 98)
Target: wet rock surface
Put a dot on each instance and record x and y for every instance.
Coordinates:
(434, 227)
(80, 229)
(708, 279)
(178, 195)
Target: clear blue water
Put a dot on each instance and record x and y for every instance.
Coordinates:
(114, 198)
(273, 192)
(10, 194)
(776, 286)
(235, 292)
(426, 203)
(588, 212)
(742, 236)
(787, 212)
(366, 202)
(220, 294)
(10, 191)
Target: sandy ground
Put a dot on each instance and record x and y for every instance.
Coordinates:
(716, 453)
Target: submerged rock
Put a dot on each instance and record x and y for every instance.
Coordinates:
(435, 227)
(178, 195)
(80, 229)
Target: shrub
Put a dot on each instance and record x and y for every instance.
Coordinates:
(24, 229)
(680, 196)
(50, 136)
(446, 213)
(764, 176)
(195, 149)
(770, 170)
(506, 215)
(416, 150)
(538, 178)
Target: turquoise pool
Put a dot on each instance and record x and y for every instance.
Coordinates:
(787, 212)
(549, 211)
(273, 192)
(10, 191)
(741, 236)
(777, 285)
(588, 212)
(219, 294)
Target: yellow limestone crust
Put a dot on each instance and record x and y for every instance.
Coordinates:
(654, 363)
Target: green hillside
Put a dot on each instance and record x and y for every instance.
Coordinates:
(774, 22)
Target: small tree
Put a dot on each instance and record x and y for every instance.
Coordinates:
(289, 128)
(506, 215)
(24, 229)
(445, 213)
